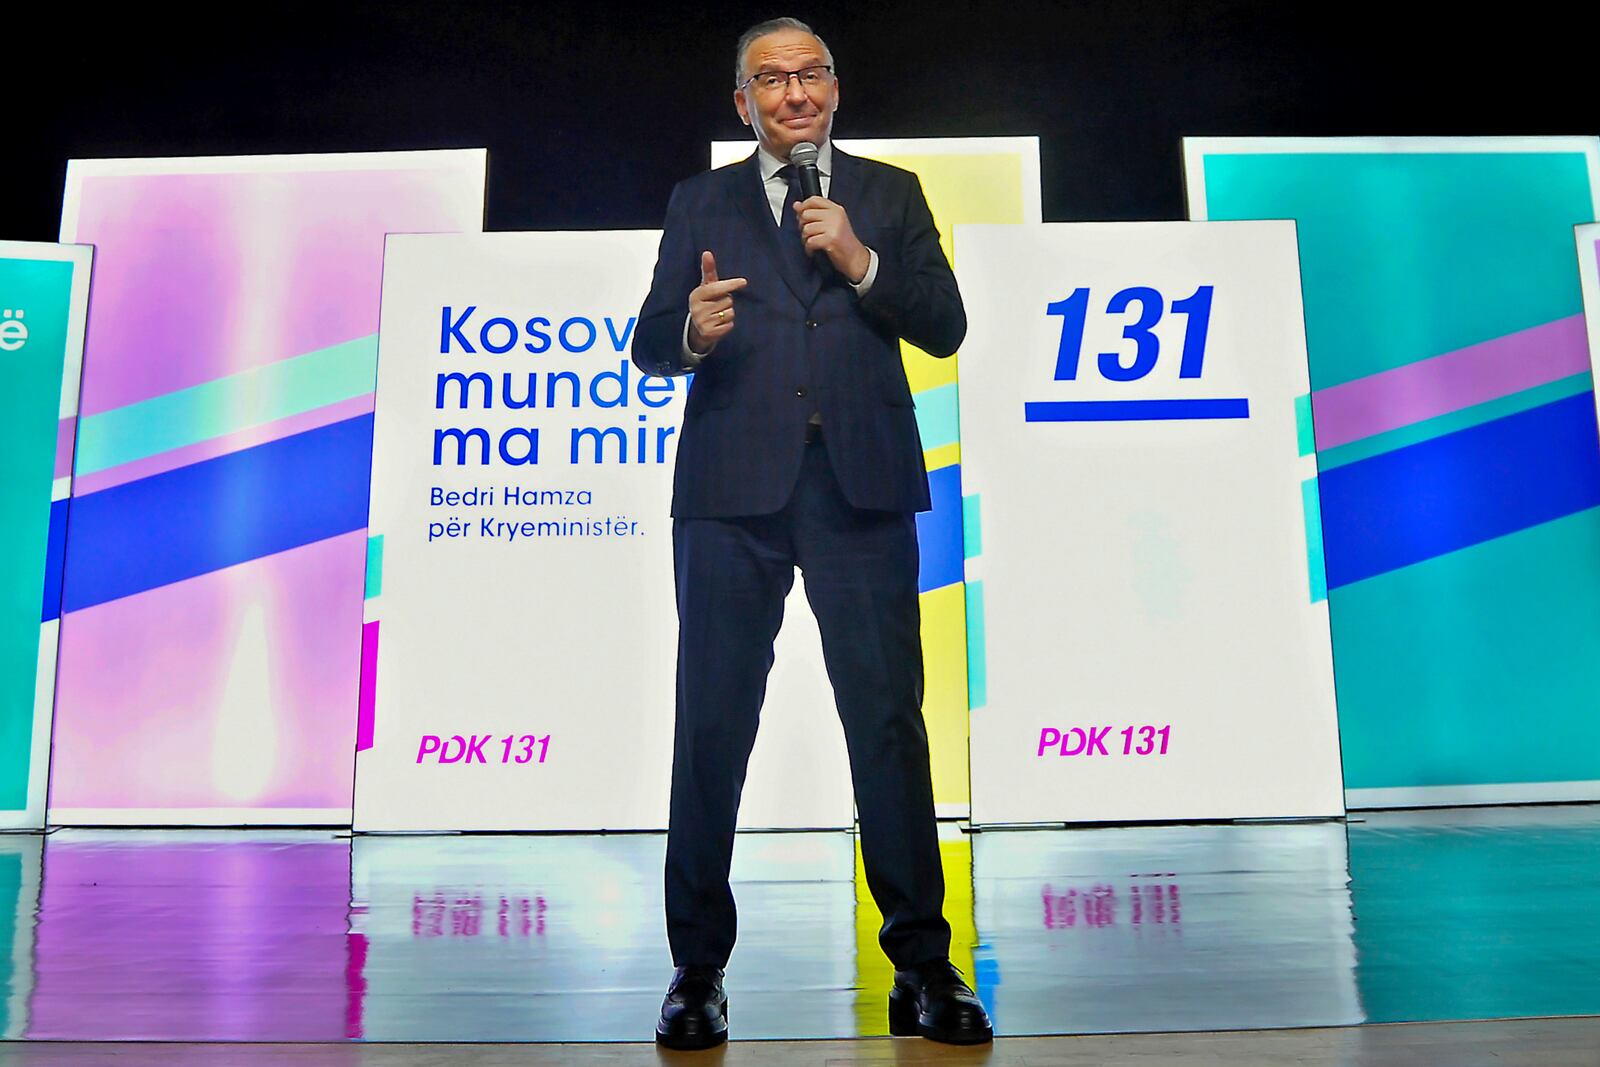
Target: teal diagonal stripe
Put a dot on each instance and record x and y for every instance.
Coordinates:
(217, 408)
(938, 421)
(1316, 566)
(972, 525)
(977, 649)
(1305, 433)
(374, 566)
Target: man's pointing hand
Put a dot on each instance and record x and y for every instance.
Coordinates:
(711, 306)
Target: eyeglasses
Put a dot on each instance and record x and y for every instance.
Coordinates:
(773, 81)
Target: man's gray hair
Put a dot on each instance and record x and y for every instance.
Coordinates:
(761, 29)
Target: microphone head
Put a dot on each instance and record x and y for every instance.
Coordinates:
(803, 154)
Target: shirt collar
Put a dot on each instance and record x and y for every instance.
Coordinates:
(770, 163)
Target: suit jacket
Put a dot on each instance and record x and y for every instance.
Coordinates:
(801, 342)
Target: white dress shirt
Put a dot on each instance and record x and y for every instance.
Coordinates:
(777, 189)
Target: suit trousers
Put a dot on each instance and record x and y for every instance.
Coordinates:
(860, 574)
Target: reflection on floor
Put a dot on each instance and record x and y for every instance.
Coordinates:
(268, 936)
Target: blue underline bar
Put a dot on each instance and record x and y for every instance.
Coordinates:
(1134, 410)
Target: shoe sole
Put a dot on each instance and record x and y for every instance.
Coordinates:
(906, 1021)
(694, 1043)
(678, 1044)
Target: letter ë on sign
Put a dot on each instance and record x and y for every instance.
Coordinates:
(13, 331)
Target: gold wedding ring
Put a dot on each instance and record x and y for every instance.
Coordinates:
(723, 314)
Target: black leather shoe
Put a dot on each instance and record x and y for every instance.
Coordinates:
(934, 1001)
(695, 1011)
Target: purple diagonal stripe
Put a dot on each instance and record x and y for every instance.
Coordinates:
(1449, 382)
(66, 436)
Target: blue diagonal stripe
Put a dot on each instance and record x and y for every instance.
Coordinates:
(201, 518)
(939, 532)
(55, 554)
(1461, 489)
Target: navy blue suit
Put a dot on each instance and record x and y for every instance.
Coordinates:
(755, 496)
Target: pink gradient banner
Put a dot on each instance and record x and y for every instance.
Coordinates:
(199, 276)
(238, 688)
(231, 696)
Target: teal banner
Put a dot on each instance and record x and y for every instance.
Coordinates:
(1459, 462)
(43, 291)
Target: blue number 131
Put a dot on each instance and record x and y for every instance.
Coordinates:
(1074, 312)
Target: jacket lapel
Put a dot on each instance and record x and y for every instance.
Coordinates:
(751, 197)
(846, 182)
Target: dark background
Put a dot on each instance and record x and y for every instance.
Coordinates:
(591, 112)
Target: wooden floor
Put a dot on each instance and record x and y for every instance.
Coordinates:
(1516, 1043)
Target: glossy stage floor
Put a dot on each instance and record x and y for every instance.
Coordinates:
(118, 935)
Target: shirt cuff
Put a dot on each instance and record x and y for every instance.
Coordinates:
(691, 358)
(860, 287)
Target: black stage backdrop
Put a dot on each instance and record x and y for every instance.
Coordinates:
(591, 112)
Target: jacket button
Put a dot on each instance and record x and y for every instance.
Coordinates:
(811, 324)
(800, 391)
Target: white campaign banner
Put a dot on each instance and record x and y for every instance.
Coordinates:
(520, 637)
(1150, 631)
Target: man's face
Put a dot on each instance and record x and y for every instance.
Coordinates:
(784, 117)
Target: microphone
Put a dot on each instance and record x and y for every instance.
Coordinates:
(804, 158)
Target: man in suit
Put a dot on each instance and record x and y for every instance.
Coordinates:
(799, 448)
